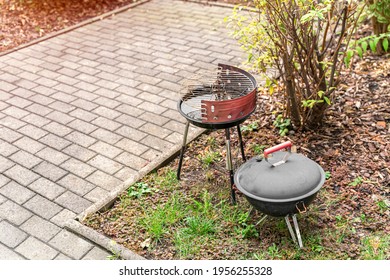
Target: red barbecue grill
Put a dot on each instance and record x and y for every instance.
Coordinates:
(220, 99)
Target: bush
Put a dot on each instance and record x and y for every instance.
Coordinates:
(305, 40)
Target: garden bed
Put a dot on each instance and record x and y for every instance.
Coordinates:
(161, 218)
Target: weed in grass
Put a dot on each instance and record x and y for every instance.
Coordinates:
(382, 205)
(245, 229)
(376, 247)
(199, 225)
(315, 243)
(357, 181)
(210, 157)
(167, 178)
(253, 126)
(258, 149)
(157, 221)
(204, 206)
(186, 246)
(211, 142)
(139, 189)
(273, 251)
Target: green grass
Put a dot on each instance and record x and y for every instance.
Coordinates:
(376, 247)
(210, 157)
(200, 222)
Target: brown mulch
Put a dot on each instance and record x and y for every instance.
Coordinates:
(25, 20)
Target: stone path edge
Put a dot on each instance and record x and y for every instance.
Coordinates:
(73, 27)
(75, 225)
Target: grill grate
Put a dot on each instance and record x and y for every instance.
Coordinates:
(222, 84)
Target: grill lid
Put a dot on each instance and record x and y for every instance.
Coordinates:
(298, 177)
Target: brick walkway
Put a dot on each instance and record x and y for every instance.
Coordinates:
(82, 112)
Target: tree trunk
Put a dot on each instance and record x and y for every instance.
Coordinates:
(317, 115)
(291, 94)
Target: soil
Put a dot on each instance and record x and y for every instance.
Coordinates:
(25, 20)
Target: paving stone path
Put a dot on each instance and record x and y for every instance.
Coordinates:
(82, 112)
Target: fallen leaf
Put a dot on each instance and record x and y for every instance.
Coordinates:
(381, 124)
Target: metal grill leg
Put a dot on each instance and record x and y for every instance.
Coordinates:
(183, 147)
(290, 229)
(229, 165)
(241, 143)
(297, 231)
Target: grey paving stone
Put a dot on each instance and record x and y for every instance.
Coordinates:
(83, 115)
(19, 102)
(49, 171)
(82, 126)
(7, 254)
(16, 192)
(26, 159)
(21, 175)
(58, 129)
(131, 146)
(76, 184)
(36, 120)
(9, 135)
(5, 164)
(97, 254)
(3, 180)
(85, 104)
(106, 136)
(2, 200)
(7, 149)
(14, 213)
(46, 188)
(78, 167)
(103, 180)
(106, 112)
(105, 164)
(39, 109)
(70, 244)
(151, 107)
(106, 123)
(61, 106)
(126, 173)
(105, 149)
(96, 194)
(32, 131)
(73, 202)
(80, 139)
(33, 249)
(43, 90)
(127, 118)
(155, 130)
(60, 117)
(62, 257)
(131, 133)
(79, 152)
(40, 228)
(135, 162)
(53, 156)
(156, 143)
(11, 235)
(42, 207)
(55, 142)
(11, 123)
(15, 112)
(29, 145)
(61, 218)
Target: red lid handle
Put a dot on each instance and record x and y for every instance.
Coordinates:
(276, 148)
